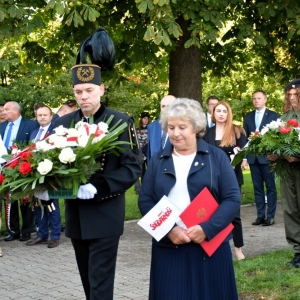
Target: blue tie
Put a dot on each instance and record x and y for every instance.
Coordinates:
(8, 136)
(38, 137)
(163, 139)
(257, 119)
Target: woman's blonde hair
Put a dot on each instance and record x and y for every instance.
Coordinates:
(231, 131)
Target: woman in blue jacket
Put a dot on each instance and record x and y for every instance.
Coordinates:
(180, 269)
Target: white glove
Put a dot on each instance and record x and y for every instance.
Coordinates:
(86, 191)
(42, 195)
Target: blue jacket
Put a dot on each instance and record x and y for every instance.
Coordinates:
(211, 168)
(24, 131)
(154, 139)
(35, 132)
(249, 126)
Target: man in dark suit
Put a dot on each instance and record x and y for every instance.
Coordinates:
(95, 220)
(211, 101)
(18, 129)
(44, 117)
(68, 107)
(260, 165)
(157, 139)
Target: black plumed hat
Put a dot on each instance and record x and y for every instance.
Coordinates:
(293, 84)
(101, 51)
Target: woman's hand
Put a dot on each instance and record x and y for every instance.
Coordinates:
(196, 234)
(272, 157)
(178, 236)
(291, 158)
(244, 164)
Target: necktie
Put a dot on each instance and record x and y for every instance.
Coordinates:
(38, 137)
(163, 139)
(8, 136)
(257, 119)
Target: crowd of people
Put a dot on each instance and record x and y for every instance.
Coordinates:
(180, 154)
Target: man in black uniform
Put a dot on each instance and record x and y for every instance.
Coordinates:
(95, 220)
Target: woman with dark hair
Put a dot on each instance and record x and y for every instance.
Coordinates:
(180, 268)
(228, 136)
(142, 135)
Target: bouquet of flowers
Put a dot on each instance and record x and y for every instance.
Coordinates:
(62, 160)
(279, 138)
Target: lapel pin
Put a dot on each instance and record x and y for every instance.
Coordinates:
(196, 164)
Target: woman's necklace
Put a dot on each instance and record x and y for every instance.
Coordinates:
(181, 155)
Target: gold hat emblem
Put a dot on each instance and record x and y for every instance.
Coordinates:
(85, 74)
(201, 213)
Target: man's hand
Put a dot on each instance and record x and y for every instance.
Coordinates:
(178, 236)
(244, 164)
(196, 234)
(291, 158)
(272, 157)
(86, 191)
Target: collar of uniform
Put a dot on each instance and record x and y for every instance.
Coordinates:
(98, 113)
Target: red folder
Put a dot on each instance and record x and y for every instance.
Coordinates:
(200, 210)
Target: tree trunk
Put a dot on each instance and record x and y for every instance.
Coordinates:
(185, 67)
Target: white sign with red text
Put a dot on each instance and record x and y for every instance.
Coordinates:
(161, 218)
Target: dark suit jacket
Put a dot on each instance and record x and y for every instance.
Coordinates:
(35, 132)
(210, 138)
(25, 129)
(249, 126)
(154, 139)
(103, 216)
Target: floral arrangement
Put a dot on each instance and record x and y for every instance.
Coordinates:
(62, 160)
(279, 138)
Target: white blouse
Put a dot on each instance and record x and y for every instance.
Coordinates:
(179, 194)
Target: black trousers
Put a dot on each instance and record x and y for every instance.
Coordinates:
(96, 260)
(237, 232)
(13, 221)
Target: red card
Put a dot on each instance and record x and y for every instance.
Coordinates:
(200, 210)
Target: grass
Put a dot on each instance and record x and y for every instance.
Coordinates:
(266, 277)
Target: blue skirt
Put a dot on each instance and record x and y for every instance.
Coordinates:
(187, 273)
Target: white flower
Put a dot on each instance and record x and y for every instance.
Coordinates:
(45, 166)
(43, 146)
(67, 155)
(72, 132)
(60, 130)
(275, 124)
(98, 138)
(79, 124)
(82, 141)
(103, 126)
(93, 128)
(264, 130)
(58, 141)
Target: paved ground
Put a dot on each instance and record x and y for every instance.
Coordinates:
(41, 273)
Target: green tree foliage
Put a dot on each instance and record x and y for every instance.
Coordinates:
(242, 45)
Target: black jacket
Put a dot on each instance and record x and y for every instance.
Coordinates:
(103, 216)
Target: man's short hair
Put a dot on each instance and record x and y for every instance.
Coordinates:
(71, 103)
(38, 105)
(260, 91)
(212, 97)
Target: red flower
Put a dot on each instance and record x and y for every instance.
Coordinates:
(13, 164)
(26, 199)
(25, 168)
(2, 178)
(256, 133)
(25, 155)
(293, 122)
(98, 132)
(284, 129)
